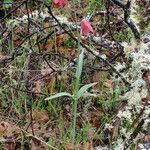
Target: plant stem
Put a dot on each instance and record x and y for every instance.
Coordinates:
(74, 121)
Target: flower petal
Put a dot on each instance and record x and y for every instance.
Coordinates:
(61, 3)
(56, 2)
(90, 28)
(86, 27)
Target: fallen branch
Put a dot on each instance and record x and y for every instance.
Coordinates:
(127, 11)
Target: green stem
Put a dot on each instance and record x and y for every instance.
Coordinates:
(74, 122)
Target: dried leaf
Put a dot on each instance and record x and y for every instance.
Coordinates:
(39, 115)
(86, 146)
(37, 145)
(37, 89)
(69, 146)
(9, 130)
(108, 83)
(9, 146)
(115, 129)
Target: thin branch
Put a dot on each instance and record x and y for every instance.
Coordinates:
(127, 11)
(12, 11)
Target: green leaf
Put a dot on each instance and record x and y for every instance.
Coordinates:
(83, 89)
(87, 94)
(80, 65)
(59, 95)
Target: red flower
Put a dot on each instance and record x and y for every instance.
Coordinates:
(86, 27)
(61, 3)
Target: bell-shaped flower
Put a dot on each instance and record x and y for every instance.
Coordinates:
(86, 27)
(60, 3)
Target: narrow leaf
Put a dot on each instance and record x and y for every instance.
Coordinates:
(87, 94)
(58, 95)
(83, 89)
(79, 65)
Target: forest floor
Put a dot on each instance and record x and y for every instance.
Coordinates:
(63, 90)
